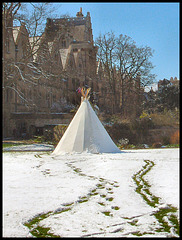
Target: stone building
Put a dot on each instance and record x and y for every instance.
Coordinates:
(16, 52)
(41, 73)
(166, 82)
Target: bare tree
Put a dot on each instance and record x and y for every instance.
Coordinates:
(131, 63)
(34, 15)
(134, 67)
(22, 66)
(106, 55)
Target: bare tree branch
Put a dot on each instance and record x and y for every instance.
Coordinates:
(124, 63)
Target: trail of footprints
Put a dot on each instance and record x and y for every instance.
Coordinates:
(166, 216)
(103, 194)
(104, 190)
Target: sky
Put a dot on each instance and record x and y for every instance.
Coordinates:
(149, 24)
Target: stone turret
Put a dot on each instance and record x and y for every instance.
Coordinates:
(79, 14)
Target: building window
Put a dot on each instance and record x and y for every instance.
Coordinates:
(23, 53)
(16, 48)
(63, 43)
(54, 98)
(21, 99)
(73, 84)
(77, 83)
(30, 94)
(7, 95)
(48, 99)
(7, 46)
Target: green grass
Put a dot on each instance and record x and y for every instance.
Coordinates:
(129, 147)
(38, 231)
(169, 210)
(143, 186)
(110, 199)
(153, 201)
(115, 208)
(101, 203)
(83, 199)
(107, 213)
(41, 232)
(11, 144)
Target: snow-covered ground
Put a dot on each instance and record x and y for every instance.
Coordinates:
(91, 195)
(36, 147)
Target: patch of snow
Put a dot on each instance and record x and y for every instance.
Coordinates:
(30, 147)
(38, 182)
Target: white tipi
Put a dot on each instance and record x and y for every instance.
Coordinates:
(85, 133)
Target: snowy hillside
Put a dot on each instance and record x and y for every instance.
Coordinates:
(131, 194)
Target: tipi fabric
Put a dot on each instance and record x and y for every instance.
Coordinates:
(86, 134)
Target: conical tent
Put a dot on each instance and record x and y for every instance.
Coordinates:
(86, 133)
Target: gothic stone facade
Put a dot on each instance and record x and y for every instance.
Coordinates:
(41, 73)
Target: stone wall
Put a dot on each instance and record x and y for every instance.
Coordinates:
(24, 125)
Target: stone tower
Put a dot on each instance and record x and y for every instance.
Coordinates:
(73, 39)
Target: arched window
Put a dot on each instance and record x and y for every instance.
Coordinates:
(30, 94)
(7, 95)
(63, 43)
(7, 46)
